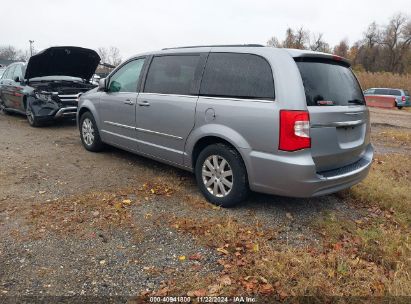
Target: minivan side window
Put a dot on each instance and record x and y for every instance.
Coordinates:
(382, 92)
(237, 75)
(126, 78)
(172, 74)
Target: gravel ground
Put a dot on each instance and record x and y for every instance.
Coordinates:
(42, 168)
(391, 117)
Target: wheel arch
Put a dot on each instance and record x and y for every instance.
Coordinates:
(88, 106)
(195, 144)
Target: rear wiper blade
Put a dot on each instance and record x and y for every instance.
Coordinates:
(357, 101)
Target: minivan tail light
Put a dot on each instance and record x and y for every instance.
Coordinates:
(403, 98)
(294, 130)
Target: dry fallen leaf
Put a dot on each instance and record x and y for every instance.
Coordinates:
(256, 247)
(266, 289)
(222, 250)
(182, 257)
(127, 202)
(225, 280)
(195, 257)
(197, 293)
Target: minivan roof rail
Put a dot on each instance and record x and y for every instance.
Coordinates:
(215, 45)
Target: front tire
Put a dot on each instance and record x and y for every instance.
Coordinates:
(221, 175)
(32, 119)
(89, 134)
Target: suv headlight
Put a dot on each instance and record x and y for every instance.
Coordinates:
(44, 96)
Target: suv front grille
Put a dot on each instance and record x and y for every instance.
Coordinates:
(69, 99)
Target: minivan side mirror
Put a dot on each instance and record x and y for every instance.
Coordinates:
(17, 79)
(102, 84)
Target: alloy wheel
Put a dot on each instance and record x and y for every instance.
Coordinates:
(217, 175)
(87, 130)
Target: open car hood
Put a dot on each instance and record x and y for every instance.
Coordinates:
(63, 61)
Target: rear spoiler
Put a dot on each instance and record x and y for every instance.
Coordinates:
(297, 54)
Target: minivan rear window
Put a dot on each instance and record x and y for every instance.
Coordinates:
(406, 93)
(235, 75)
(328, 82)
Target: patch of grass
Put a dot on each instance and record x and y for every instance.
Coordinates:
(384, 80)
(256, 265)
(393, 137)
(388, 186)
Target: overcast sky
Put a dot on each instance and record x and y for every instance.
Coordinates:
(137, 26)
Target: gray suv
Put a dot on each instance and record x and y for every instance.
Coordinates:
(277, 121)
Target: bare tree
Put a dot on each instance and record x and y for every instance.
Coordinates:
(342, 49)
(372, 35)
(318, 44)
(396, 38)
(289, 38)
(10, 52)
(274, 42)
(110, 55)
(301, 38)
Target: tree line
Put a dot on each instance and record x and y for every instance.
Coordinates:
(110, 55)
(382, 48)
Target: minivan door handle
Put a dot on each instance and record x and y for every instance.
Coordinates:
(129, 102)
(143, 103)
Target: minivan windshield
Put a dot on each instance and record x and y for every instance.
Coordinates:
(329, 83)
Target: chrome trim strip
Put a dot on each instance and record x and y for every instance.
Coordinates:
(144, 143)
(345, 174)
(354, 113)
(161, 94)
(207, 97)
(351, 123)
(62, 111)
(143, 130)
(159, 133)
(119, 125)
(237, 99)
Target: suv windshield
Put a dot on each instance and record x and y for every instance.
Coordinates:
(327, 82)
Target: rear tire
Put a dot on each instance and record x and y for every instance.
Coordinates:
(89, 134)
(221, 175)
(399, 107)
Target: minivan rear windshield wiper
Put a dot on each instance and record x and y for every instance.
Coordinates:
(357, 101)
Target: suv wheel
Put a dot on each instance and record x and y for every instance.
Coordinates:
(32, 119)
(89, 133)
(221, 175)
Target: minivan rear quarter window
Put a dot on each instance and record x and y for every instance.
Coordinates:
(236, 75)
(328, 82)
(172, 74)
(395, 92)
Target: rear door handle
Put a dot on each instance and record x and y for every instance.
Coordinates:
(143, 103)
(129, 102)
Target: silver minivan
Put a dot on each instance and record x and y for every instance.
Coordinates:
(278, 121)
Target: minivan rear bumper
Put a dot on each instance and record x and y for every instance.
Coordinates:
(295, 175)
